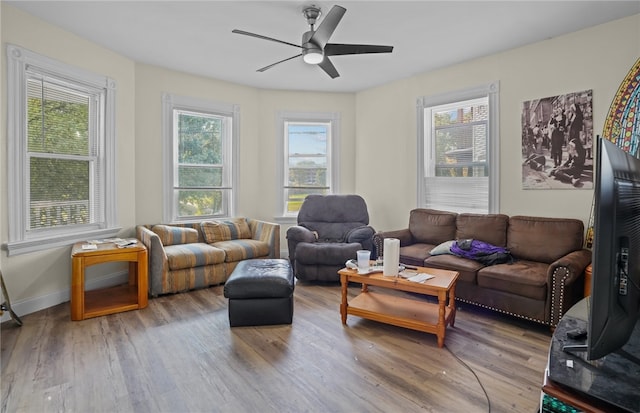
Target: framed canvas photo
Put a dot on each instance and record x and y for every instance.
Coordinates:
(557, 142)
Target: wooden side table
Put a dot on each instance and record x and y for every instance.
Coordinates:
(95, 303)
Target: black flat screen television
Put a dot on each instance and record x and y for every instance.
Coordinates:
(615, 293)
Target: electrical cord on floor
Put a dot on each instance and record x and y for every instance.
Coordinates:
(486, 395)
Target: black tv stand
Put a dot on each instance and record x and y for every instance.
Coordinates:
(574, 348)
(606, 384)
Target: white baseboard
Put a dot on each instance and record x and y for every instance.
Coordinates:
(31, 305)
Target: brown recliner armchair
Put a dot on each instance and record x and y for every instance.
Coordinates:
(331, 228)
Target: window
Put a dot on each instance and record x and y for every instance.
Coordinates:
(61, 139)
(458, 151)
(309, 159)
(200, 158)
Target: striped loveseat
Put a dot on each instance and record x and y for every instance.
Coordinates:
(187, 256)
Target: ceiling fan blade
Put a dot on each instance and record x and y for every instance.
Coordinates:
(327, 26)
(328, 67)
(336, 49)
(276, 63)
(259, 36)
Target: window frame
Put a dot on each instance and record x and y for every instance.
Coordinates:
(333, 155)
(21, 239)
(171, 103)
(491, 91)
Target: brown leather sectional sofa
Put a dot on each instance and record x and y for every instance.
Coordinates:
(544, 281)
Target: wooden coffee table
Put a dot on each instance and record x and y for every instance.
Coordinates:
(399, 311)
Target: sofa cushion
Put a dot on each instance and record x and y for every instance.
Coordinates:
(466, 267)
(491, 228)
(543, 239)
(225, 230)
(332, 217)
(331, 231)
(336, 253)
(415, 254)
(242, 249)
(342, 208)
(430, 226)
(444, 248)
(193, 255)
(525, 278)
(170, 235)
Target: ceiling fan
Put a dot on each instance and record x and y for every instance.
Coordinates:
(315, 46)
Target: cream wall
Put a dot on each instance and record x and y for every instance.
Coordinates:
(41, 279)
(44, 278)
(258, 140)
(272, 102)
(151, 82)
(259, 108)
(378, 132)
(597, 58)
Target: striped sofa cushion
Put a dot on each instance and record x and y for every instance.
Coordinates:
(193, 255)
(225, 230)
(242, 249)
(170, 235)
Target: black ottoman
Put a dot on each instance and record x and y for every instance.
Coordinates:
(260, 292)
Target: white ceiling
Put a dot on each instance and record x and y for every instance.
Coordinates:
(195, 36)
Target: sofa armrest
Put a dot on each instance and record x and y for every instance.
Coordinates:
(360, 234)
(565, 278)
(576, 262)
(299, 233)
(268, 232)
(158, 263)
(295, 235)
(363, 235)
(404, 235)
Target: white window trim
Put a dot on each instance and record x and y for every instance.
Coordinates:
(21, 242)
(333, 153)
(171, 102)
(490, 90)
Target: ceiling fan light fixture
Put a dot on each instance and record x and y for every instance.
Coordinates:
(312, 56)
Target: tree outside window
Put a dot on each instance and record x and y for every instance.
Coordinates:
(200, 140)
(58, 150)
(61, 153)
(200, 164)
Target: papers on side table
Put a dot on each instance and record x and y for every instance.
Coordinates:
(123, 243)
(119, 242)
(420, 278)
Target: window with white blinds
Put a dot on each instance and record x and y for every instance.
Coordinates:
(458, 151)
(61, 150)
(62, 154)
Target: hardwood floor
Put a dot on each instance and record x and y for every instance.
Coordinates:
(179, 355)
